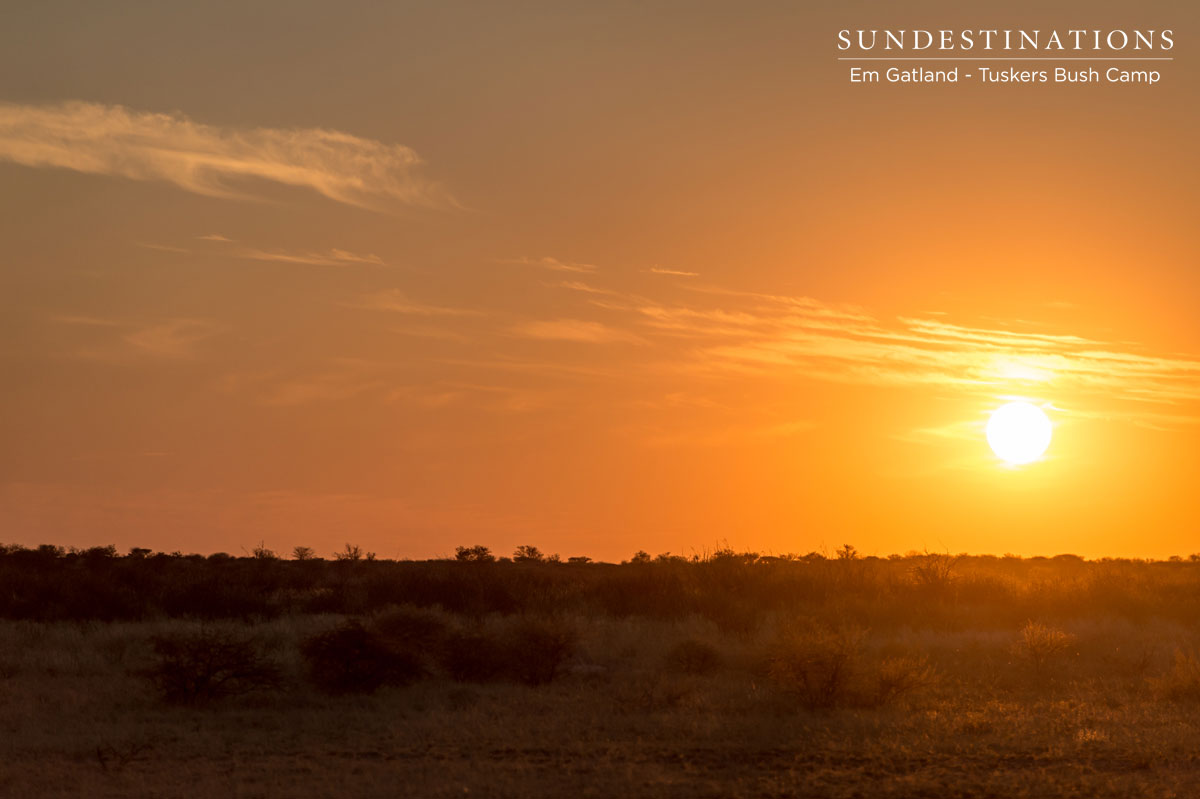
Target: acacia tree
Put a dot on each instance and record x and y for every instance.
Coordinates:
(528, 554)
(476, 554)
(353, 552)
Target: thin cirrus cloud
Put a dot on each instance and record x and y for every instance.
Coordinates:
(396, 301)
(211, 160)
(578, 330)
(169, 339)
(333, 257)
(734, 335)
(807, 338)
(553, 264)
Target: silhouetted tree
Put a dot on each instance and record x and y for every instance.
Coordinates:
(475, 554)
(351, 552)
(260, 552)
(527, 554)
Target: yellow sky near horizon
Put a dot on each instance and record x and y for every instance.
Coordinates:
(654, 278)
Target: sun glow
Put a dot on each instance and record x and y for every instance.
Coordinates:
(1018, 432)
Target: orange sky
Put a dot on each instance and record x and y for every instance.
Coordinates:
(597, 278)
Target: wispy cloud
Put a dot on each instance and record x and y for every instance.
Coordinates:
(84, 321)
(793, 336)
(334, 380)
(396, 301)
(553, 264)
(328, 387)
(147, 245)
(655, 270)
(334, 257)
(722, 334)
(173, 338)
(574, 330)
(498, 398)
(576, 285)
(211, 160)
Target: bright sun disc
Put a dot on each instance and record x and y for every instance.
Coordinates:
(1018, 432)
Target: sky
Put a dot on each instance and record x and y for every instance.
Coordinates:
(597, 278)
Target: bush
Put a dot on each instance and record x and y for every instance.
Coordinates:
(411, 629)
(532, 651)
(537, 650)
(693, 657)
(196, 667)
(471, 657)
(1182, 682)
(1040, 644)
(353, 659)
(818, 665)
(901, 675)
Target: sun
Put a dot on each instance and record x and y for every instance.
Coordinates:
(1018, 432)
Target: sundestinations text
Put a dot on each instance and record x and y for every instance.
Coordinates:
(993, 39)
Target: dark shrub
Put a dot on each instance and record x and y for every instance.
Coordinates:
(411, 629)
(353, 659)
(734, 618)
(693, 657)
(901, 675)
(532, 651)
(537, 650)
(194, 667)
(819, 666)
(472, 657)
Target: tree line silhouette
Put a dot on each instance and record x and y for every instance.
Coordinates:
(737, 591)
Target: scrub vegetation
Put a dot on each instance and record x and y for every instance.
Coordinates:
(729, 675)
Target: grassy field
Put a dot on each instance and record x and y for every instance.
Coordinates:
(732, 676)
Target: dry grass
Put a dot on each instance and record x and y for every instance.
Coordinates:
(1087, 702)
(1181, 683)
(79, 720)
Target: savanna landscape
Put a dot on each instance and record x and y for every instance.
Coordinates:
(723, 675)
(416, 294)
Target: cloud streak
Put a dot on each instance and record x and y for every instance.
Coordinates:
(552, 264)
(334, 257)
(214, 161)
(577, 330)
(801, 336)
(720, 334)
(396, 301)
(167, 339)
